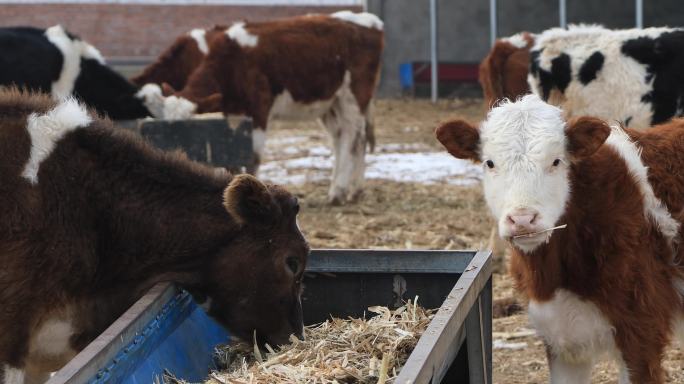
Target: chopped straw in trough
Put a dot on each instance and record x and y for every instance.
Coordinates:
(336, 351)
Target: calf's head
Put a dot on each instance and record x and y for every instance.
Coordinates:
(526, 149)
(254, 283)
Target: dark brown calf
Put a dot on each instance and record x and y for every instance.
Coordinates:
(92, 217)
(308, 67)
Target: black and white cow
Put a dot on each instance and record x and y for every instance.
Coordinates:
(635, 76)
(55, 61)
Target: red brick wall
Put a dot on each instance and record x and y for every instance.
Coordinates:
(133, 30)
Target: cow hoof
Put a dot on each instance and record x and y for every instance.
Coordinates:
(355, 196)
(335, 200)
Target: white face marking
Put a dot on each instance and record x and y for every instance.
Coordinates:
(200, 38)
(654, 209)
(363, 19)
(241, 36)
(576, 330)
(178, 108)
(152, 97)
(517, 40)
(615, 94)
(46, 130)
(71, 64)
(522, 140)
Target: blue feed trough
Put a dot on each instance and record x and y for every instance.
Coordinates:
(165, 331)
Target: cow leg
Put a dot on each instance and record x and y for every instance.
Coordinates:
(569, 372)
(624, 373)
(347, 127)
(14, 375)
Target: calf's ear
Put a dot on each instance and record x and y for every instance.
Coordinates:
(248, 200)
(461, 139)
(585, 135)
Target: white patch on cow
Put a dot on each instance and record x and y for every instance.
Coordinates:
(517, 40)
(90, 52)
(178, 108)
(240, 35)
(46, 130)
(51, 340)
(616, 93)
(363, 19)
(654, 209)
(153, 98)
(346, 125)
(577, 333)
(14, 375)
(259, 142)
(523, 139)
(199, 35)
(286, 108)
(71, 64)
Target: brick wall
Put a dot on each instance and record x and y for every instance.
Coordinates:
(139, 30)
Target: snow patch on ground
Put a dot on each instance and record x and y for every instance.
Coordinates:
(390, 162)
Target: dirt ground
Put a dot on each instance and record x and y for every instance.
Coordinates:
(437, 215)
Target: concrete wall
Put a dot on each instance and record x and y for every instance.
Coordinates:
(464, 25)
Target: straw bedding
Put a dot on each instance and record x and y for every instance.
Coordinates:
(369, 350)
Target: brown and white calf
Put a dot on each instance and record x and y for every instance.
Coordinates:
(92, 217)
(611, 282)
(304, 68)
(503, 72)
(174, 66)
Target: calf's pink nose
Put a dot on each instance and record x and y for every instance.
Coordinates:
(522, 219)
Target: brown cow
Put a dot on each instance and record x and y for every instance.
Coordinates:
(174, 66)
(316, 66)
(92, 217)
(503, 73)
(611, 281)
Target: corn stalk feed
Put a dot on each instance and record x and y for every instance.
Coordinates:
(337, 351)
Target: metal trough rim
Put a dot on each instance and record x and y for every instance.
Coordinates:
(443, 337)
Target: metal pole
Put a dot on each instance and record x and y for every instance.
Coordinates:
(639, 13)
(492, 22)
(562, 13)
(433, 49)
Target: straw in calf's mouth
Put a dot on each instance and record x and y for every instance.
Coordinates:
(540, 232)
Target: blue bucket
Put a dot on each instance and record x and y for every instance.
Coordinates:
(406, 75)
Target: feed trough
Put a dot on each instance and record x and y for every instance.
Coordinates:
(166, 331)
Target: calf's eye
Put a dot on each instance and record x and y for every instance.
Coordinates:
(293, 264)
(490, 164)
(556, 162)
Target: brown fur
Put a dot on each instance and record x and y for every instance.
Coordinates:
(611, 254)
(503, 72)
(111, 216)
(308, 56)
(460, 138)
(175, 65)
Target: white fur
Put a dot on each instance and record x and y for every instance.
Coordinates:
(286, 108)
(346, 124)
(51, 340)
(239, 33)
(517, 40)
(363, 19)
(259, 142)
(654, 209)
(200, 38)
(615, 94)
(178, 108)
(71, 66)
(90, 52)
(523, 139)
(14, 375)
(46, 130)
(153, 98)
(577, 333)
